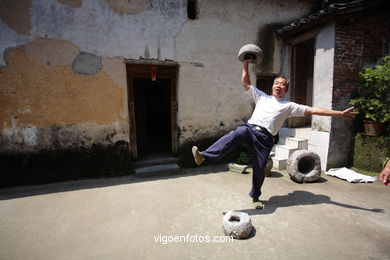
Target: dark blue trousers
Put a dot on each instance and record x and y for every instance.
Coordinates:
(245, 135)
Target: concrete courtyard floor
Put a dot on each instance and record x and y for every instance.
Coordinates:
(135, 218)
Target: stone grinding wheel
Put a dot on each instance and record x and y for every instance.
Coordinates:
(304, 166)
(237, 224)
(250, 50)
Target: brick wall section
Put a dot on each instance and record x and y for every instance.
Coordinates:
(364, 36)
(359, 39)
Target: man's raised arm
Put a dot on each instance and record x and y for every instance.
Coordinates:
(246, 81)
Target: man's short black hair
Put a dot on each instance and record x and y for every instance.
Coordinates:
(283, 77)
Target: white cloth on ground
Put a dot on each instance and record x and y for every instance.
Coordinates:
(350, 175)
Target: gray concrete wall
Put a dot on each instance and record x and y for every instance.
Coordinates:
(323, 75)
(322, 91)
(286, 64)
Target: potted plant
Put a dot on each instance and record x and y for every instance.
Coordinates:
(372, 99)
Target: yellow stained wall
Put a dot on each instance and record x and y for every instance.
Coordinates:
(33, 94)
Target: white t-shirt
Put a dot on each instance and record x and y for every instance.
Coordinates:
(270, 112)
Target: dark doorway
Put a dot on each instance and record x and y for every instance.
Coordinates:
(153, 114)
(302, 79)
(152, 100)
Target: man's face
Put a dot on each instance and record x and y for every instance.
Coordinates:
(279, 88)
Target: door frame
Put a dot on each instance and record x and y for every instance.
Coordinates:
(306, 120)
(293, 42)
(142, 69)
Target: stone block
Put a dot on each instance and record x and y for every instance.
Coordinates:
(294, 142)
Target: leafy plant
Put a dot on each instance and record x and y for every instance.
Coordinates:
(244, 158)
(373, 96)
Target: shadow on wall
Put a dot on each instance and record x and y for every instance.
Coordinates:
(266, 41)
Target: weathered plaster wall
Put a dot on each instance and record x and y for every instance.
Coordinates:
(322, 92)
(211, 98)
(51, 52)
(128, 7)
(63, 89)
(323, 75)
(97, 28)
(112, 28)
(36, 98)
(62, 66)
(15, 13)
(71, 3)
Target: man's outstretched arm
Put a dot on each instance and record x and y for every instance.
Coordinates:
(245, 79)
(346, 114)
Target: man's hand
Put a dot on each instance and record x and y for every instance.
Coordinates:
(384, 175)
(348, 114)
(247, 61)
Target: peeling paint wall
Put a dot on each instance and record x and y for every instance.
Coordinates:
(16, 14)
(97, 28)
(52, 52)
(62, 66)
(71, 3)
(34, 97)
(128, 7)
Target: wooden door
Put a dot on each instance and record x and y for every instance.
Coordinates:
(302, 66)
(146, 71)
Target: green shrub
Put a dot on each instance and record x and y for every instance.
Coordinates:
(373, 96)
(370, 152)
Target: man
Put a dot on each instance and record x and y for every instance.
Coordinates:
(267, 118)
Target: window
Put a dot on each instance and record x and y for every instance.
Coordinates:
(264, 83)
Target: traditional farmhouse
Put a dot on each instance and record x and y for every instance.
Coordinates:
(90, 87)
